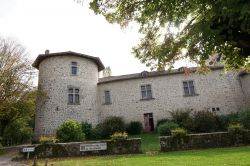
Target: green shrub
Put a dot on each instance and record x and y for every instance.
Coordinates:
(134, 128)
(183, 118)
(1, 149)
(161, 121)
(86, 129)
(111, 125)
(165, 128)
(223, 121)
(70, 131)
(119, 136)
(17, 132)
(244, 118)
(205, 121)
(236, 128)
(97, 132)
(179, 133)
(47, 139)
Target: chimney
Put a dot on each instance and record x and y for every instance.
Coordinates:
(47, 51)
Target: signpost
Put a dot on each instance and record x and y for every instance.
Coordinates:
(28, 150)
(93, 147)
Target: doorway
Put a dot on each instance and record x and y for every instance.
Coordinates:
(148, 122)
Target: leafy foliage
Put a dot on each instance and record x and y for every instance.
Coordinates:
(111, 125)
(161, 121)
(97, 132)
(107, 72)
(134, 128)
(244, 118)
(47, 139)
(87, 129)
(235, 128)
(223, 121)
(201, 27)
(205, 121)
(17, 96)
(17, 132)
(183, 118)
(70, 131)
(179, 133)
(119, 136)
(165, 128)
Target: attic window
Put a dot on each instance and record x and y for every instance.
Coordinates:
(144, 74)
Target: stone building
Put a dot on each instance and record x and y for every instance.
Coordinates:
(73, 90)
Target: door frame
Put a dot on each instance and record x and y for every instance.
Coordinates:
(148, 122)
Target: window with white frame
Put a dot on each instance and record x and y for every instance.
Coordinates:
(146, 92)
(73, 96)
(107, 97)
(74, 68)
(188, 87)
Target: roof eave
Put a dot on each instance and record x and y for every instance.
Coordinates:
(41, 57)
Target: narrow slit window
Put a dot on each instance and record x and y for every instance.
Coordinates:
(74, 68)
(107, 97)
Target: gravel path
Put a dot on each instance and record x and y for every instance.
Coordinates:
(6, 161)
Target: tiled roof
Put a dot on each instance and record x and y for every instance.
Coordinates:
(150, 74)
(41, 57)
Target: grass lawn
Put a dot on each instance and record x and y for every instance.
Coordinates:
(150, 141)
(239, 156)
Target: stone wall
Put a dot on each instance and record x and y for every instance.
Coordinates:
(229, 93)
(213, 90)
(54, 79)
(129, 146)
(245, 82)
(204, 140)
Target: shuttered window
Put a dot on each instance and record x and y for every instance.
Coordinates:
(188, 87)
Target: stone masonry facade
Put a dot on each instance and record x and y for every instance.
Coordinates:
(216, 91)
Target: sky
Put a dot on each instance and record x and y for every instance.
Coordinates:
(65, 25)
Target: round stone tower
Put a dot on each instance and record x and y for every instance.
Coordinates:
(67, 87)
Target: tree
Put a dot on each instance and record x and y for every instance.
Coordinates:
(17, 97)
(107, 72)
(201, 28)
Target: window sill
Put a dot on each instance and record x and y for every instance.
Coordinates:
(146, 99)
(191, 95)
(73, 74)
(74, 104)
(106, 103)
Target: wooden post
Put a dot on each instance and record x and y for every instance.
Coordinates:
(46, 162)
(35, 161)
(28, 155)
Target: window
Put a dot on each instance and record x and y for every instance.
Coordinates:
(107, 98)
(188, 87)
(146, 92)
(215, 109)
(73, 96)
(73, 68)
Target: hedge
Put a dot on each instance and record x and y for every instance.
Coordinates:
(204, 140)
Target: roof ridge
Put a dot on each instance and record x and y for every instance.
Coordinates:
(41, 57)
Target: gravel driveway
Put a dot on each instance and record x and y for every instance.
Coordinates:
(6, 161)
